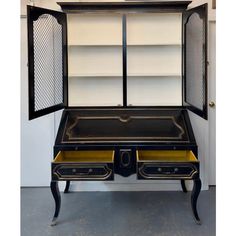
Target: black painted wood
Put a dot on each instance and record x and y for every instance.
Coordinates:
(183, 186)
(66, 190)
(144, 6)
(125, 126)
(121, 145)
(194, 197)
(57, 199)
(155, 170)
(121, 131)
(33, 14)
(124, 55)
(202, 12)
(82, 171)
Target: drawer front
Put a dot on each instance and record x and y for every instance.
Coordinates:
(83, 165)
(167, 164)
(83, 171)
(167, 170)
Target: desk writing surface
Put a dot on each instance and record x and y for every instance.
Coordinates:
(124, 125)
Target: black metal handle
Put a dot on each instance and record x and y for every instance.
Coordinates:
(90, 170)
(168, 172)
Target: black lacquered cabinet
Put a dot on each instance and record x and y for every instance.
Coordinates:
(125, 73)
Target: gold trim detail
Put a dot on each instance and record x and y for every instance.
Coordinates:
(92, 177)
(121, 119)
(165, 175)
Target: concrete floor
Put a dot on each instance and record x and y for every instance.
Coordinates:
(116, 214)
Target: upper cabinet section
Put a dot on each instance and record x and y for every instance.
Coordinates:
(120, 54)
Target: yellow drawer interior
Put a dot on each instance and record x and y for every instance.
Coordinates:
(85, 156)
(165, 156)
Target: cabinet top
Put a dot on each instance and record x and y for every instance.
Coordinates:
(126, 6)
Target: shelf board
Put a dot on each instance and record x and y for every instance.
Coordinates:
(154, 75)
(95, 75)
(128, 75)
(128, 45)
(94, 45)
(156, 44)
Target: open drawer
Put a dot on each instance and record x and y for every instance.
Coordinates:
(83, 165)
(159, 164)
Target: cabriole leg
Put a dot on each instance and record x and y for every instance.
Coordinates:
(195, 193)
(67, 186)
(57, 198)
(183, 186)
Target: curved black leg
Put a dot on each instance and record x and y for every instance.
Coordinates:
(183, 186)
(67, 186)
(57, 198)
(195, 193)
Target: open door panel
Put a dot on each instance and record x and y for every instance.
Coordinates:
(47, 61)
(195, 60)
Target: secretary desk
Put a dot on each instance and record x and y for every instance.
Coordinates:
(126, 74)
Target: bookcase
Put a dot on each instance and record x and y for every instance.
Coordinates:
(126, 74)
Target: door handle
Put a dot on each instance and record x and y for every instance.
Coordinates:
(211, 104)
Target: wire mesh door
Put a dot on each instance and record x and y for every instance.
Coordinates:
(47, 57)
(195, 60)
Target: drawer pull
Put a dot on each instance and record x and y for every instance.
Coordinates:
(159, 169)
(86, 173)
(125, 158)
(90, 170)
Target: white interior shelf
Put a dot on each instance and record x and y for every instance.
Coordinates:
(120, 45)
(163, 44)
(93, 45)
(91, 74)
(163, 75)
